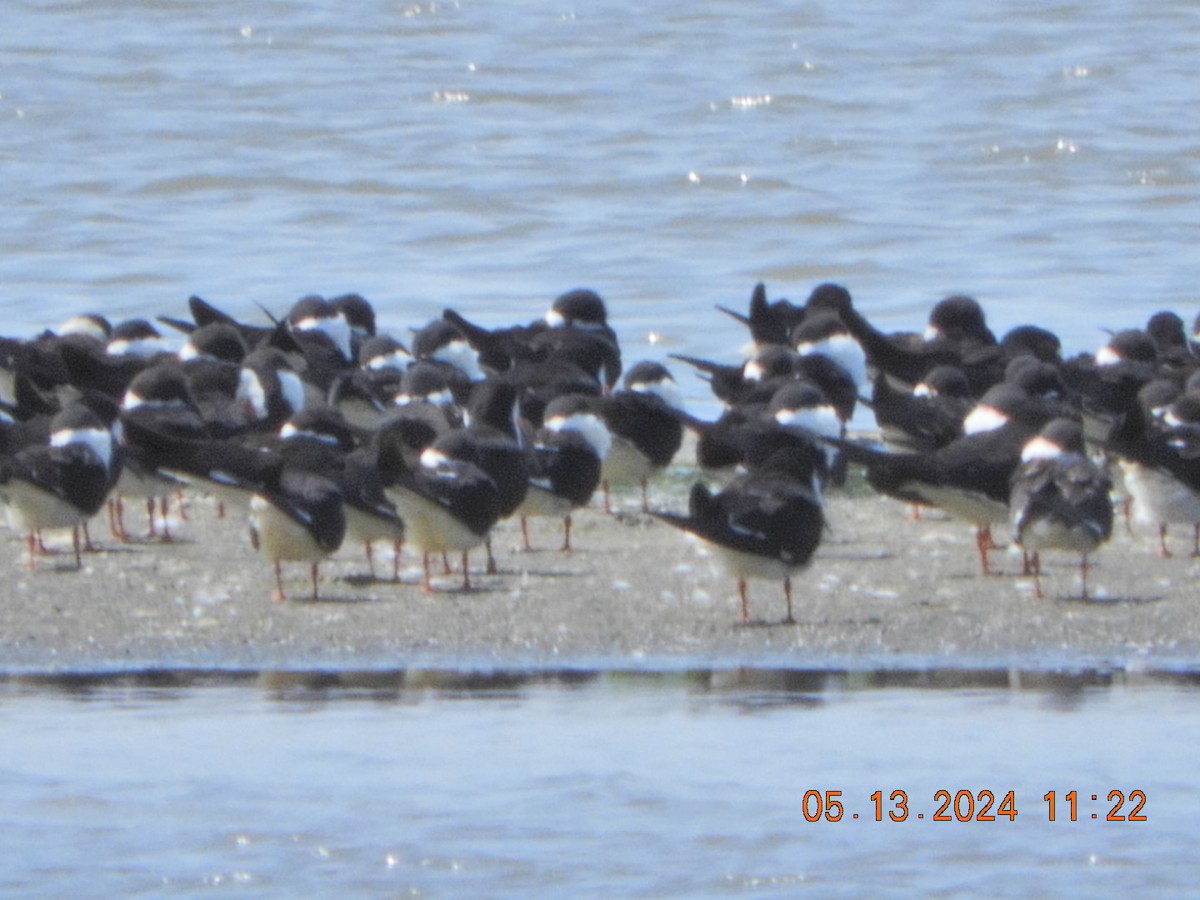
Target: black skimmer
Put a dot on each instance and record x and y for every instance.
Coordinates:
(1061, 499)
(39, 361)
(568, 456)
(296, 515)
(582, 311)
(824, 334)
(490, 422)
(269, 389)
(360, 316)
(1170, 338)
(1107, 382)
(575, 328)
(325, 340)
(768, 322)
(969, 478)
(63, 483)
(645, 424)
(752, 381)
(441, 341)
(803, 406)
(766, 523)
(159, 399)
(928, 416)
(435, 383)
(1157, 450)
(313, 315)
(138, 338)
(204, 314)
(956, 332)
(320, 440)
(133, 346)
(218, 341)
(448, 503)
(367, 391)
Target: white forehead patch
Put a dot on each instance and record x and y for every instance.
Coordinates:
(250, 390)
(397, 360)
(843, 350)
(336, 328)
(594, 431)
(99, 439)
(822, 420)
(462, 356)
(292, 389)
(140, 347)
(1040, 448)
(665, 389)
(983, 418)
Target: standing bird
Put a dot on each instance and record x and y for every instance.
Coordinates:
(567, 459)
(62, 483)
(1157, 448)
(298, 515)
(644, 421)
(448, 503)
(1060, 499)
(766, 523)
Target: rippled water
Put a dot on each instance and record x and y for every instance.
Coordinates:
(1039, 155)
(594, 784)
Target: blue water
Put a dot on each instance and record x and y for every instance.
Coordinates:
(595, 784)
(1039, 155)
(1036, 155)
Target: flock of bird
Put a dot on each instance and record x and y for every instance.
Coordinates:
(324, 431)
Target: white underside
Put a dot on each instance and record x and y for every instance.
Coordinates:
(131, 484)
(361, 526)
(232, 496)
(624, 464)
(1045, 535)
(974, 508)
(740, 564)
(541, 502)
(429, 528)
(280, 536)
(1159, 499)
(31, 509)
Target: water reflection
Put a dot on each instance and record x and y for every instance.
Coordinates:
(749, 685)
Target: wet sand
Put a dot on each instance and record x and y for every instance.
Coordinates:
(884, 591)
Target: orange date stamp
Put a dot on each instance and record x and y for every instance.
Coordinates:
(983, 805)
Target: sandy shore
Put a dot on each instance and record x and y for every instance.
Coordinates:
(884, 591)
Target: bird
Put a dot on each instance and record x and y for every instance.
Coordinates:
(296, 515)
(62, 483)
(269, 388)
(646, 428)
(448, 503)
(567, 461)
(320, 440)
(927, 417)
(969, 478)
(1157, 449)
(766, 523)
(956, 333)
(159, 398)
(769, 322)
(489, 423)
(1060, 498)
(823, 333)
(575, 328)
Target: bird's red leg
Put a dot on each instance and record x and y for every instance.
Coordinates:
(279, 596)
